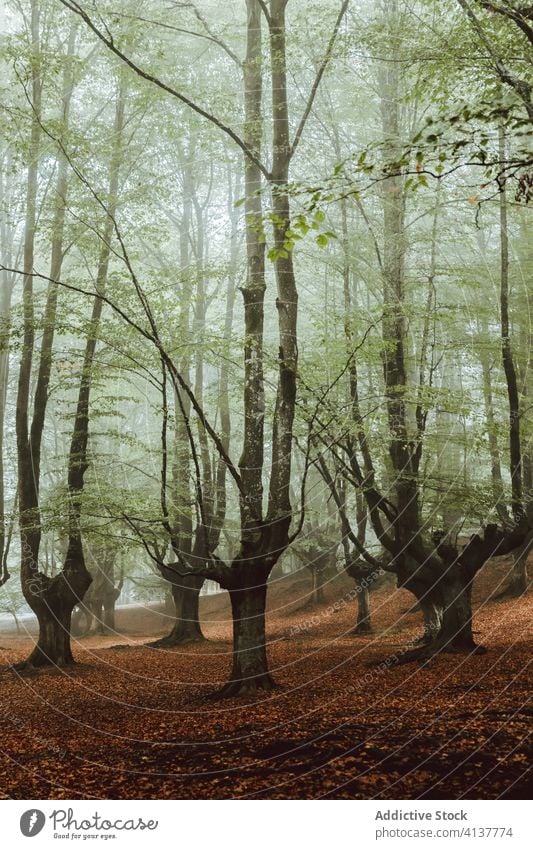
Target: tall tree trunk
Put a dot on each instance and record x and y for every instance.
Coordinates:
(403, 454)
(263, 540)
(29, 522)
(498, 491)
(253, 291)
(247, 584)
(6, 290)
(515, 450)
(7, 283)
(224, 374)
(53, 598)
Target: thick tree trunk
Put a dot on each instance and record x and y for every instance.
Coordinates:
(53, 601)
(186, 628)
(318, 587)
(519, 579)
(249, 673)
(455, 633)
(53, 646)
(519, 583)
(447, 609)
(108, 613)
(358, 570)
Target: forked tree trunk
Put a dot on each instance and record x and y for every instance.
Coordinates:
(53, 600)
(249, 672)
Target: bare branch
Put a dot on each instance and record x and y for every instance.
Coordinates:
(110, 44)
(318, 78)
(266, 13)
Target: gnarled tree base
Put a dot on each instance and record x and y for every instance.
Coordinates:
(50, 653)
(246, 687)
(362, 629)
(178, 637)
(427, 652)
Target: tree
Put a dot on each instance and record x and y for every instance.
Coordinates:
(264, 535)
(53, 598)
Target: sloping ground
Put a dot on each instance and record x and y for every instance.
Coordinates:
(133, 722)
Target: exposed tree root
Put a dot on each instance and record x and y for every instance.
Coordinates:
(362, 629)
(425, 653)
(176, 640)
(245, 687)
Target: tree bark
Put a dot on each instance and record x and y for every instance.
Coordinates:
(249, 672)
(519, 582)
(403, 451)
(54, 617)
(498, 491)
(53, 599)
(363, 624)
(515, 450)
(186, 628)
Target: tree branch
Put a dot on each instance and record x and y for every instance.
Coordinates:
(265, 11)
(522, 88)
(110, 44)
(318, 78)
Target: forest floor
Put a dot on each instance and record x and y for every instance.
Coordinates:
(133, 722)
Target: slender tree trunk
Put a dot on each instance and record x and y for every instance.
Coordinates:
(5, 308)
(401, 448)
(515, 451)
(53, 598)
(253, 291)
(363, 624)
(495, 460)
(29, 523)
(7, 283)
